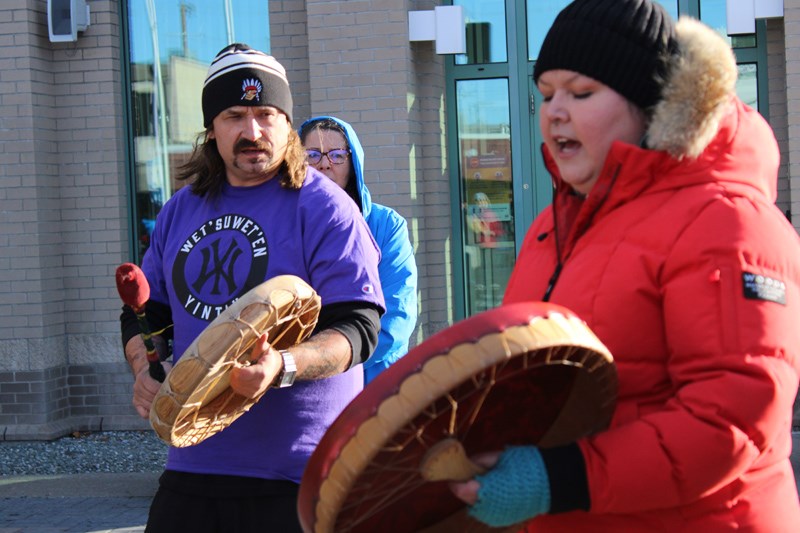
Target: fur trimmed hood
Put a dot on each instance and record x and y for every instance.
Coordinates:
(698, 93)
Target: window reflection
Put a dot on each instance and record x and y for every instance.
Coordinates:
(484, 140)
(747, 84)
(671, 6)
(486, 32)
(172, 43)
(715, 14)
(540, 16)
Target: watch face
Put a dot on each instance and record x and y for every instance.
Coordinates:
(289, 371)
(288, 378)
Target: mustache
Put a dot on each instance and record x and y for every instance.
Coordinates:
(244, 144)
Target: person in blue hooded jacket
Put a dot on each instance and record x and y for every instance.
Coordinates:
(333, 148)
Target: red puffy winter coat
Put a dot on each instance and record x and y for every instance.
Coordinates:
(690, 275)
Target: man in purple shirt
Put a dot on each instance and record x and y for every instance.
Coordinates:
(254, 211)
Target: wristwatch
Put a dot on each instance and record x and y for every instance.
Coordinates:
(285, 377)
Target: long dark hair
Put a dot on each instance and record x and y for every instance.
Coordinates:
(207, 168)
(331, 125)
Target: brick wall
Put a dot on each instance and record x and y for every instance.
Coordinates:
(791, 18)
(47, 404)
(63, 219)
(776, 61)
(289, 44)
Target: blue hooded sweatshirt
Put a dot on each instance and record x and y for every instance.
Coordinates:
(397, 268)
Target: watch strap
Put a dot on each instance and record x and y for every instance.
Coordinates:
(286, 376)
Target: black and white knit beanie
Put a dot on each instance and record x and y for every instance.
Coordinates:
(625, 44)
(240, 75)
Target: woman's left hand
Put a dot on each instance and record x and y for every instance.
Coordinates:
(515, 490)
(467, 491)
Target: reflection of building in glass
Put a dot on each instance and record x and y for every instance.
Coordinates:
(487, 153)
(489, 246)
(485, 32)
(486, 174)
(478, 42)
(488, 228)
(183, 83)
(747, 84)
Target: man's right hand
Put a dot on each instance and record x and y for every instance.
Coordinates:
(144, 386)
(145, 389)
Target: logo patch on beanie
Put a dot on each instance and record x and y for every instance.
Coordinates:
(758, 287)
(251, 89)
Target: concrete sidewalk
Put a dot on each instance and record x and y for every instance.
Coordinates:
(102, 503)
(85, 503)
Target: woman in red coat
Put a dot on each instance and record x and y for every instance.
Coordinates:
(664, 237)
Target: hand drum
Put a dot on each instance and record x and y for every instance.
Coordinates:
(528, 373)
(196, 401)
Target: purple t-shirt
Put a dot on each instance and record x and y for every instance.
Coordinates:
(205, 254)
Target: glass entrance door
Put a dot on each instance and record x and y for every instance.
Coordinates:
(484, 149)
(497, 171)
(483, 156)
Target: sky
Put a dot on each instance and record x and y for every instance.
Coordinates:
(206, 28)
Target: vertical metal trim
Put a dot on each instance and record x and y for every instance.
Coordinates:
(762, 76)
(453, 168)
(127, 113)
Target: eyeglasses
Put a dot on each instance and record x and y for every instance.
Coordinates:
(336, 157)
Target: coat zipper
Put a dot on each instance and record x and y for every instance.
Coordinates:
(552, 282)
(559, 265)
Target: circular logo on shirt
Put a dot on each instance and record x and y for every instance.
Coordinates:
(219, 262)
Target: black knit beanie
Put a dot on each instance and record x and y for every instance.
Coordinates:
(240, 75)
(625, 44)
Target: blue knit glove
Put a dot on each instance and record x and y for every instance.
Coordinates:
(515, 490)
